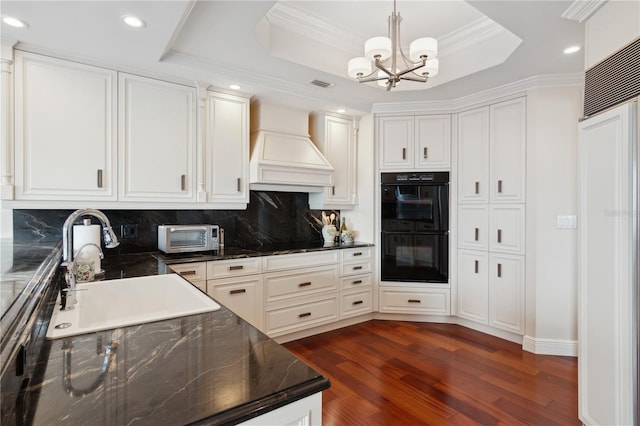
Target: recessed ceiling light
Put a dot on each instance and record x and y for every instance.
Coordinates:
(234, 87)
(14, 22)
(341, 110)
(571, 49)
(133, 21)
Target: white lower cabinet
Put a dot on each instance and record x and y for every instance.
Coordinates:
(415, 300)
(243, 295)
(491, 289)
(301, 315)
(304, 412)
(194, 272)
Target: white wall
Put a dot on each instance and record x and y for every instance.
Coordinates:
(552, 139)
(362, 217)
(613, 26)
(6, 222)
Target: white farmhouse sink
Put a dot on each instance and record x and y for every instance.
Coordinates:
(118, 303)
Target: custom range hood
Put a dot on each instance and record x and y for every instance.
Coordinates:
(283, 157)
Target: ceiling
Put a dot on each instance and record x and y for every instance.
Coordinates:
(274, 49)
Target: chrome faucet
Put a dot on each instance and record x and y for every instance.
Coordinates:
(110, 241)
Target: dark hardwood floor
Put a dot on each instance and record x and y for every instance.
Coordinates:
(406, 373)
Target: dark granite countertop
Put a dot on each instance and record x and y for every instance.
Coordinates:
(213, 368)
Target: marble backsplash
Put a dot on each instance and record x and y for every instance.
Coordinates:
(270, 218)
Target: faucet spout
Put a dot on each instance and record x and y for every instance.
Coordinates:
(108, 236)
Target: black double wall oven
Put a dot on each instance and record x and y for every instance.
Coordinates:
(415, 227)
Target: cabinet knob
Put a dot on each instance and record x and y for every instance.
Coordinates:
(477, 187)
(404, 153)
(357, 282)
(183, 273)
(500, 187)
(306, 314)
(236, 267)
(238, 291)
(357, 268)
(425, 153)
(500, 235)
(357, 302)
(414, 301)
(183, 182)
(477, 234)
(307, 284)
(99, 178)
(477, 266)
(333, 190)
(499, 270)
(239, 183)
(359, 253)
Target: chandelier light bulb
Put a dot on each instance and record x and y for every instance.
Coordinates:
(359, 66)
(426, 46)
(431, 67)
(378, 46)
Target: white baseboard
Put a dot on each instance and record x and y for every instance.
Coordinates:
(541, 346)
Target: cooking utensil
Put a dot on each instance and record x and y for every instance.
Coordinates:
(333, 218)
(325, 219)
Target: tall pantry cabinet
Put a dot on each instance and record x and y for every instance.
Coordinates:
(491, 215)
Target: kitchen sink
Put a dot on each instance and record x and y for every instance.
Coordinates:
(103, 305)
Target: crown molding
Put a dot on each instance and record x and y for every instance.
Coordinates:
(581, 10)
(469, 35)
(517, 88)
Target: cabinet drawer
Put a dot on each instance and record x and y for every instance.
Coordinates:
(355, 254)
(301, 282)
(195, 271)
(233, 267)
(356, 303)
(243, 295)
(356, 282)
(298, 317)
(356, 268)
(299, 260)
(431, 301)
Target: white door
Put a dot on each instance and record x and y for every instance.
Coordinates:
(433, 142)
(606, 321)
(507, 228)
(156, 140)
(396, 142)
(473, 156)
(473, 226)
(227, 148)
(65, 130)
(506, 292)
(473, 285)
(340, 151)
(507, 148)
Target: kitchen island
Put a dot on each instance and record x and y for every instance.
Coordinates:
(211, 368)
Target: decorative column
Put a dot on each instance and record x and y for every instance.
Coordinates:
(201, 138)
(6, 119)
(356, 130)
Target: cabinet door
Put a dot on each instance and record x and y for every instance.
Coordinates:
(335, 140)
(433, 142)
(65, 130)
(473, 285)
(227, 149)
(506, 292)
(507, 228)
(156, 140)
(473, 227)
(395, 136)
(243, 295)
(473, 156)
(507, 148)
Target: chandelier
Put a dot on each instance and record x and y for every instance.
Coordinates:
(385, 53)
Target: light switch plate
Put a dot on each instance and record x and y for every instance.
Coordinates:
(567, 222)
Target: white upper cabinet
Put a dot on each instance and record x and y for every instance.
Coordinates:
(156, 140)
(227, 149)
(473, 156)
(507, 151)
(491, 147)
(421, 142)
(334, 137)
(65, 130)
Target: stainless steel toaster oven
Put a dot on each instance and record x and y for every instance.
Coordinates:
(188, 238)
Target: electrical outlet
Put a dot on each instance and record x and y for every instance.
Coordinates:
(129, 231)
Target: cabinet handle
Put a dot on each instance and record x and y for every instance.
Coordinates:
(357, 282)
(187, 273)
(307, 284)
(477, 234)
(499, 187)
(306, 314)
(357, 268)
(499, 270)
(99, 178)
(183, 182)
(424, 154)
(357, 302)
(477, 187)
(477, 266)
(500, 235)
(239, 183)
(357, 254)
(236, 267)
(238, 291)
(404, 153)
(414, 301)
(333, 190)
